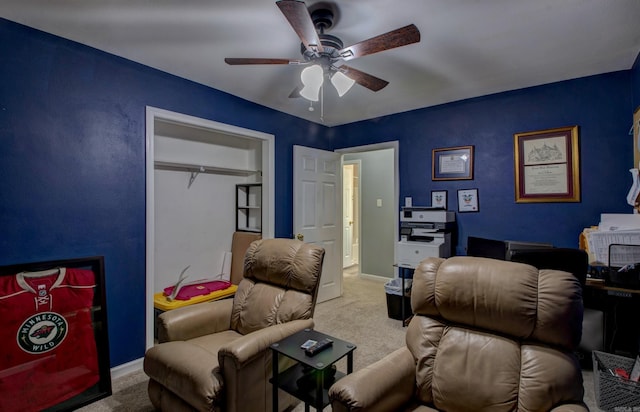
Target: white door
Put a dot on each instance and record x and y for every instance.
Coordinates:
(347, 215)
(317, 211)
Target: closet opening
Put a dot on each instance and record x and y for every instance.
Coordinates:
(194, 170)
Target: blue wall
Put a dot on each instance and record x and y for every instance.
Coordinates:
(72, 163)
(599, 105)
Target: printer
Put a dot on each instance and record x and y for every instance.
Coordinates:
(424, 232)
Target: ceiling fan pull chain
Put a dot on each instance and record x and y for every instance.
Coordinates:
(322, 104)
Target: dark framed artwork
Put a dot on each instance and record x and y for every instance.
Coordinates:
(453, 163)
(468, 200)
(439, 199)
(547, 166)
(53, 328)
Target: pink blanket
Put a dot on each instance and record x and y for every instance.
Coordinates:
(198, 289)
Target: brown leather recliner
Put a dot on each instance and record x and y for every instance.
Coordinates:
(215, 356)
(487, 335)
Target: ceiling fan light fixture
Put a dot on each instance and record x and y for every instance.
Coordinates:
(342, 83)
(312, 78)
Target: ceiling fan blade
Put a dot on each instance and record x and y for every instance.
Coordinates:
(240, 60)
(363, 79)
(395, 38)
(298, 16)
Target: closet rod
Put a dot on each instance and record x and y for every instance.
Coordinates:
(185, 167)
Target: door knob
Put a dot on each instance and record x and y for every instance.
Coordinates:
(300, 237)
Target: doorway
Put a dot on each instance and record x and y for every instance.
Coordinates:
(351, 213)
(377, 208)
(376, 205)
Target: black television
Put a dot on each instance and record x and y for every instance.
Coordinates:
(514, 246)
(489, 248)
(568, 259)
(500, 249)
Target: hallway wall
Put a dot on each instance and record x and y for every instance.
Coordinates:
(377, 239)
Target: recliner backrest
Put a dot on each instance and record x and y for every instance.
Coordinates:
(500, 296)
(494, 335)
(281, 279)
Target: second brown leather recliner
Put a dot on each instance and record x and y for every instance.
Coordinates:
(487, 335)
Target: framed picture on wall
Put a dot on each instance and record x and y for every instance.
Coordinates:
(453, 163)
(468, 200)
(53, 325)
(439, 198)
(547, 166)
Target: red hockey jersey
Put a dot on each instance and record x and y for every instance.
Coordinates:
(48, 346)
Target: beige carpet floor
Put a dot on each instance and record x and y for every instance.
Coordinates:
(359, 316)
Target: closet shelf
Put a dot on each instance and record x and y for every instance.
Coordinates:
(185, 167)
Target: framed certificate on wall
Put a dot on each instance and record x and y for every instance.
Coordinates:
(636, 138)
(453, 163)
(547, 167)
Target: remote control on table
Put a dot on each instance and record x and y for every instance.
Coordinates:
(318, 347)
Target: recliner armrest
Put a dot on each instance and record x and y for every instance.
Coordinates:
(192, 321)
(386, 385)
(245, 348)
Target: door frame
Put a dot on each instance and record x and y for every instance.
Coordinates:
(395, 145)
(154, 114)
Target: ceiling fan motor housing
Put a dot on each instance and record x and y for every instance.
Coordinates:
(331, 45)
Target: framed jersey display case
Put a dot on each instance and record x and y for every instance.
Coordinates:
(53, 332)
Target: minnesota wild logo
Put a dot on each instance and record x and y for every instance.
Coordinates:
(42, 332)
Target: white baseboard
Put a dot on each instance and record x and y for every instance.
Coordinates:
(126, 368)
(377, 278)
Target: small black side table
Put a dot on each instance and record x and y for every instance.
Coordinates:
(292, 380)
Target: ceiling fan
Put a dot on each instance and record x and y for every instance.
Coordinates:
(322, 52)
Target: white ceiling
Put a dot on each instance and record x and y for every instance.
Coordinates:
(468, 48)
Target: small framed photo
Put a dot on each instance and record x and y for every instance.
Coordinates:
(439, 198)
(468, 200)
(453, 163)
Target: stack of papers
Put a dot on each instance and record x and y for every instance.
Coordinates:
(614, 221)
(619, 229)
